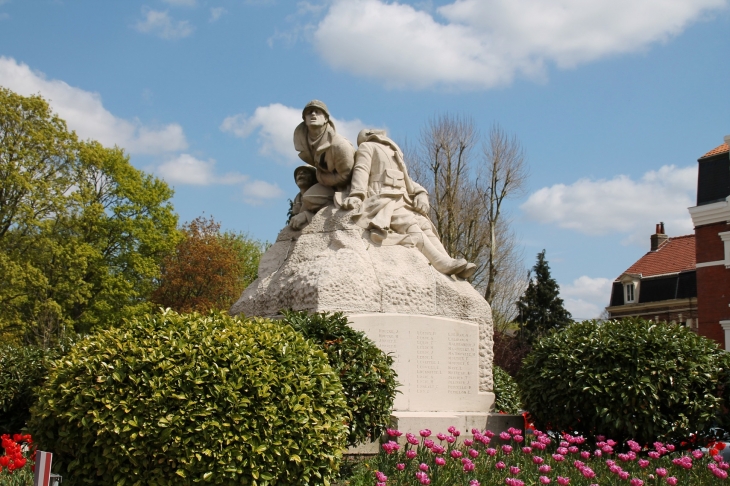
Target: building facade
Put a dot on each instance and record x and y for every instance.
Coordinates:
(711, 219)
(661, 285)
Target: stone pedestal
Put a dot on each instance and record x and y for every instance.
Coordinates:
(437, 361)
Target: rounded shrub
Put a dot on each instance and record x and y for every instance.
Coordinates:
(506, 392)
(22, 370)
(182, 399)
(628, 379)
(365, 371)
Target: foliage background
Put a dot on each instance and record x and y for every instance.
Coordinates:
(23, 369)
(82, 232)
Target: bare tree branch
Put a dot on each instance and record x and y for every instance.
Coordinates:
(467, 193)
(505, 168)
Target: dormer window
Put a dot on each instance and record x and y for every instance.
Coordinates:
(629, 289)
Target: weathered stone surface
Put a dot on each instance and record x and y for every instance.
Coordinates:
(332, 265)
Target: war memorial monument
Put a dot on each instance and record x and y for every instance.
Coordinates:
(360, 241)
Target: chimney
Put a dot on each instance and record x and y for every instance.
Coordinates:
(658, 238)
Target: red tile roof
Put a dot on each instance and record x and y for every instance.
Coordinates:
(675, 255)
(717, 150)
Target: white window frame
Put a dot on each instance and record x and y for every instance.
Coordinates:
(630, 293)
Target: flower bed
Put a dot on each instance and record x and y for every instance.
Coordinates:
(540, 459)
(16, 463)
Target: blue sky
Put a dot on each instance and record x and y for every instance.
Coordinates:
(613, 101)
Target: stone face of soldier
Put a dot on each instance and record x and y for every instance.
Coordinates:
(304, 179)
(315, 118)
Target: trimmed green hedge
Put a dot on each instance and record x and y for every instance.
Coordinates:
(182, 399)
(629, 379)
(366, 372)
(506, 392)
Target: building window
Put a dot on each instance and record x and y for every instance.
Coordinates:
(629, 293)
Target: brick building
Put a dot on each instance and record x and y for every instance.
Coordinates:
(686, 279)
(711, 218)
(661, 285)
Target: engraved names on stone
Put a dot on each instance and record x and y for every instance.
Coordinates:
(428, 365)
(437, 361)
(388, 341)
(461, 363)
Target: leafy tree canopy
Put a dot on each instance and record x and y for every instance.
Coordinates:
(82, 232)
(208, 269)
(540, 307)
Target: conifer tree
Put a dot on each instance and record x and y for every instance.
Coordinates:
(540, 307)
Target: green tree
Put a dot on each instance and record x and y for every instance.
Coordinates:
(208, 269)
(540, 307)
(82, 232)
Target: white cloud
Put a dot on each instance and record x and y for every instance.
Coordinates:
(186, 169)
(620, 204)
(256, 192)
(85, 113)
(216, 13)
(275, 124)
(486, 43)
(586, 297)
(161, 24)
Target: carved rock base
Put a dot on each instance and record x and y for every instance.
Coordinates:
(332, 265)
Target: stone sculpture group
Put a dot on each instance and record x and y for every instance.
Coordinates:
(372, 182)
(359, 241)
